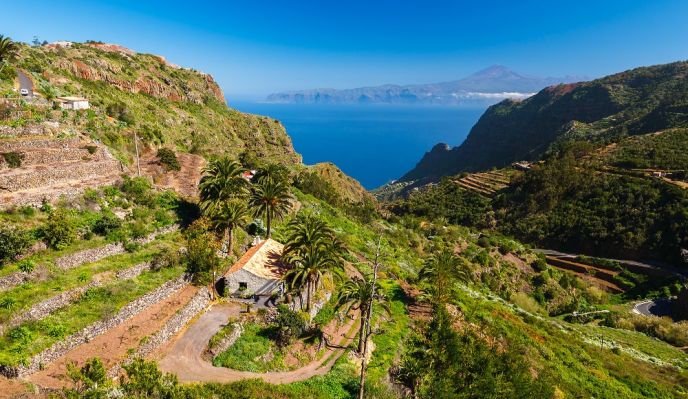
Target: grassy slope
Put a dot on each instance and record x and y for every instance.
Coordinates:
(164, 105)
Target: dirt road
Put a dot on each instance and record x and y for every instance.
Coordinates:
(183, 357)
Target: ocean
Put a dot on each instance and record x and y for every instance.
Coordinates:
(372, 143)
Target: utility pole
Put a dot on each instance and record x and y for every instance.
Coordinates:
(366, 328)
(138, 163)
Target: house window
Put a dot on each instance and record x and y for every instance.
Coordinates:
(243, 286)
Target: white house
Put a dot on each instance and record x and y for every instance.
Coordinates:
(72, 102)
(258, 272)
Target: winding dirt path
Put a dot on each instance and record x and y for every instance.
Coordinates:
(184, 356)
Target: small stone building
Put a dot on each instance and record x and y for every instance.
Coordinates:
(258, 272)
(72, 102)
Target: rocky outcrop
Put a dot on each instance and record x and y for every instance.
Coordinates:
(86, 334)
(198, 303)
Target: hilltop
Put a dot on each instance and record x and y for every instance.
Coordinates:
(164, 104)
(634, 102)
(488, 85)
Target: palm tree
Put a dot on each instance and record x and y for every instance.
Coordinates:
(441, 271)
(270, 199)
(8, 49)
(273, 171)
(227, 216)
(360, 294)
(313, 250)
(221, 181)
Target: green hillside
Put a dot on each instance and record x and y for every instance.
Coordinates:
(635, 102)
(132, 92)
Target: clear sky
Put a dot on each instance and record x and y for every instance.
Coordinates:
(257, 47)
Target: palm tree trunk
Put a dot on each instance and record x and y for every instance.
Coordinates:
(230, 242)
(269, 219)
(308, 296)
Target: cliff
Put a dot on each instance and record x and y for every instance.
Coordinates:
(605, 110)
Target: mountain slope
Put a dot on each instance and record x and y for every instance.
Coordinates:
(162, 103)
(638, 101)
(491, 84)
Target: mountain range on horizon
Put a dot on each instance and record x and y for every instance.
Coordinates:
(489, 85)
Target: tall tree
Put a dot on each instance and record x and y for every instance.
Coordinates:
(440, 272)
(360, 294)
(228, 216)
(8, 49)
(312, 250)
(221, 181)
(270, 199)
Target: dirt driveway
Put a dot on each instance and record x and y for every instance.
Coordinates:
(184, 357)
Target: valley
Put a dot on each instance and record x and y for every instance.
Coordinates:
(160, 243)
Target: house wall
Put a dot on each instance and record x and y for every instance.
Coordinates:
(254, 284)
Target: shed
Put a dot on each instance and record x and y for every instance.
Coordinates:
(258, 272)
(72, 102)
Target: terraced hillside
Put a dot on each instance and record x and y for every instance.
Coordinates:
(52, 164)
(484, 183)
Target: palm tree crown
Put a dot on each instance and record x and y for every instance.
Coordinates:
(359, 294)
(271, 199)
(441, 271)
(221, 181)
(229, 215)
(8, 49)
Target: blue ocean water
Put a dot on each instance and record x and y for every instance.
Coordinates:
(372, 143)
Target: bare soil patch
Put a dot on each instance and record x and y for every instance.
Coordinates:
(112, 346)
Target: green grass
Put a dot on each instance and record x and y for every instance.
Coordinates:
(30, 293)
(245, 353)
(98, 304)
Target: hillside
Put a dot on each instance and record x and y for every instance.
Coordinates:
(488, 85)
(162, 103)
(635, 102)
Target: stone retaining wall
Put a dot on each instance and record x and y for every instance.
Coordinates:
(96, 254)
(99, 327)
(50, 156)
(36, 177)
(18, 145)
(133, 271)
(43, 309)
(227, 341)
(79, 258)
(197, 304)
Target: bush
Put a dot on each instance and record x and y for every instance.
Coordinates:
(290, 325)
(138, 190)
(26, 266)
(13, 159)
(59, 231)
(121, 112)
(168, 159)
(107, 223)
(201, 252)
(91, 149)
(166, 258)
(13, 242)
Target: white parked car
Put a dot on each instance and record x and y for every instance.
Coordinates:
(24, 92)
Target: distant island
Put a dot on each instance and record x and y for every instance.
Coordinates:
(489, 85)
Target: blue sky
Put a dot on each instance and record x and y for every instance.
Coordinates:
(257, 47)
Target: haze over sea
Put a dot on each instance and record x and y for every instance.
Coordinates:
(372, 143)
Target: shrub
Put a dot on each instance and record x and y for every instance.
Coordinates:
(290, 325)
(137, 189)
(13, 242)
(168, 159)
(59, 231)
(540, 264)
(166, 258)
(13, 159)
(91, 149)
(107, 223)
(7, 303)
(121, 112)
(201, 253)
(26, 266)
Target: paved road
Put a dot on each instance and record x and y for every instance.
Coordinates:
(25, 82)
(657, 307)
(185, 360)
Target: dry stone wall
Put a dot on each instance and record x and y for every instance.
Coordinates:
(133, 271)
(197, 304)
(88, 333)
(42, 176)
(43, 309)
(79, 258)
(227, 341)
(18, 145)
